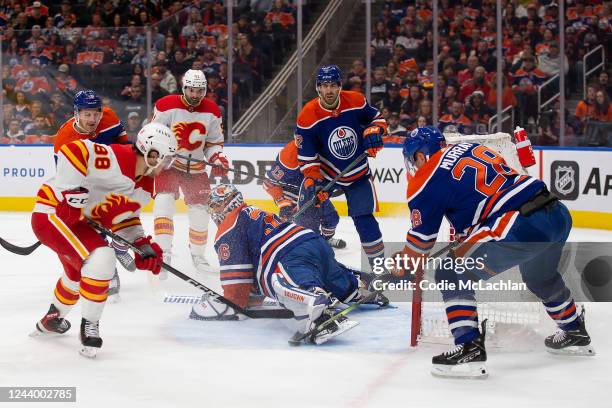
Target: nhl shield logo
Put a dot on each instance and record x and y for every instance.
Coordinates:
(564, 179)
(343, 142)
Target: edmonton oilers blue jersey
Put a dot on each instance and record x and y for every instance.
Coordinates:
(470, 184)
(249, 244)
(285, 174)
(333, 139)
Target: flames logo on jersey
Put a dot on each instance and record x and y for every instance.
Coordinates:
(189, 135)
(343, 142)
(115, 209)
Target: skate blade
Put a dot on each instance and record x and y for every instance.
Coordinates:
(573, 351)
(470, 371)
(89, 352)
(38, 333)
(194, 316)
(346, 326)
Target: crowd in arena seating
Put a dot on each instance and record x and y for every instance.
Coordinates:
(402, 48)
(50, 51)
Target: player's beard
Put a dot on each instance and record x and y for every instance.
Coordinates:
(329, 106)
(192, 101)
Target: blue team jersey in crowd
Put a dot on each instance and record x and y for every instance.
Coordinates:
(470, 184)
(334, 138)
(249, 243)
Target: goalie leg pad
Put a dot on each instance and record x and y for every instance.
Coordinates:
(96, 274)
(307, 306)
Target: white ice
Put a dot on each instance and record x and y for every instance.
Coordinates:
(153, 356)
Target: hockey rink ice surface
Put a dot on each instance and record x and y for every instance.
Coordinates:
(154, 356)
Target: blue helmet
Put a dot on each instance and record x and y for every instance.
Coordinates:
(86, 100)
(329, 73)
(427, 140)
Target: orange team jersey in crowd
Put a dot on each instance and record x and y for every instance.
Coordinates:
(109, 130)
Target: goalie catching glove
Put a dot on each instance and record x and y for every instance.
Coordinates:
(373, 140)
(211, 309)
(150, 255)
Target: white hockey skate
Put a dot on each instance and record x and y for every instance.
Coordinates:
(201, 263)
(163, 273)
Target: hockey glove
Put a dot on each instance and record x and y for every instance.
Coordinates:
(71, 208)
(285, 209)
(150, 256)
(220, 164)
(373, 140)
(314, 188)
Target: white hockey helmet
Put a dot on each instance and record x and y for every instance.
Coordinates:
(194, 78)
(158, 137)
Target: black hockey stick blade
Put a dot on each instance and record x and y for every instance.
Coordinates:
(17, 249)
(253, 314)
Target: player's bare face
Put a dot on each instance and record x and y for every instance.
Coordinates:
(194, 96)
(158, 164)
(88, 119)
(329, 92)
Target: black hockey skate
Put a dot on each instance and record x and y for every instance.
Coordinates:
(337, 243)
(467, 360)
(90, 338)
(51, 323)
(333, 329)
(576, 342)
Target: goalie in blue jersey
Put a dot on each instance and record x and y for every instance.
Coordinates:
(520, 220)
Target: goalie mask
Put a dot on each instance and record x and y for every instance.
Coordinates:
(159, 138)
(222, 200)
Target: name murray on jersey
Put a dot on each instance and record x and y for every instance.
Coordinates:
(455, 153)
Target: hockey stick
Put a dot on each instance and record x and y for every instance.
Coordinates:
(297, 340)
(17, 249)
(330, 185)
(253, 314)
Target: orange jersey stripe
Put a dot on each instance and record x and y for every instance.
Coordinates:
(77, 154)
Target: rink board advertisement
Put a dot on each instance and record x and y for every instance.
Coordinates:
(581, 177)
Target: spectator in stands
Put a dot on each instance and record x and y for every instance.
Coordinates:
(140, 57)
(549, 134)
(136, 103)
(36, 16)
(603, 82)
(477, 83)
(422, 122)
(379, 87)
(168, 81)
(393, 101)
(391, 73)
(135, 83)
(119, 56)
(210, 64)
(60, 107)
(467, 74)
(586, 107)
(450, 96)
(179, 64)
(250, 59)
(108, 12)
(22, 106)
(358, 70)
(14, 134)
(64, 82)
(508, 98)
(94, 29)
(133, 125)
(549, 60)
(526, 82)
(131, 40)
(410, 106)
(394, 127)
(426, 110)
(354, 84)
(411, 78)
(478, 112)
(602, 111)
(455, 121)
(157, 91)
(39, 127)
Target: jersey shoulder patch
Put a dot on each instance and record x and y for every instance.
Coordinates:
(351, 100)
(77, 153)
(311, 113)
(170, 102)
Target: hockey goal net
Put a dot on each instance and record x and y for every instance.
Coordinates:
(429, 322)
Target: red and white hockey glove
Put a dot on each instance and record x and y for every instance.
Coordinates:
(70, 210)
(220, 164)
(373, 139)
(150, 256)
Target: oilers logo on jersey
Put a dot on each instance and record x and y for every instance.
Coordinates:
(343, 142)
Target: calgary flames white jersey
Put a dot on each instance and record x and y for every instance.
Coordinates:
(108, 172)
(198, 130)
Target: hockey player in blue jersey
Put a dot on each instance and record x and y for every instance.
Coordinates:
(281, 260)
(521, 222)
(332, 130)
(283, 184)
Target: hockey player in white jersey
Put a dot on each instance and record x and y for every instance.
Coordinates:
(107, 184)
(196, 123)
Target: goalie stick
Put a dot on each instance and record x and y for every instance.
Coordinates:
(331, 184)
(18, 249)
(253, 314)
(296, 340)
